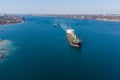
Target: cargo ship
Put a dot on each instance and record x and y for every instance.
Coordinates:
(72, 38)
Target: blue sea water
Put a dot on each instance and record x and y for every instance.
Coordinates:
(43, 52)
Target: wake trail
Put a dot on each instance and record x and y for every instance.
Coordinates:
(63, 26)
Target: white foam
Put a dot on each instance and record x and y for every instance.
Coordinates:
(6, 48)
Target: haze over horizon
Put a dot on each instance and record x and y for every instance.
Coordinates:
(60, 7)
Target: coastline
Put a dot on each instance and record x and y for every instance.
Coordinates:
(6, 20)
(100, 17)
(12, 24)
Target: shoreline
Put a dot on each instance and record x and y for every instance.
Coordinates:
(101, 17)
(12, 24)
(6, 20)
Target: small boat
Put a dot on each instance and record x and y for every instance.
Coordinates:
(55, 24)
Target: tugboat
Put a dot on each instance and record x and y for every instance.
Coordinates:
(72, 38)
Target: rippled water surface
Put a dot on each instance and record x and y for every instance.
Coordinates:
(37, 50)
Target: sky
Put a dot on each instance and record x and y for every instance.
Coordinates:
(60, 6)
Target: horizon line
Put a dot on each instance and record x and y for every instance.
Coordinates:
(57, 14)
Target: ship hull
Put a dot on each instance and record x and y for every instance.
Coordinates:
(71, 42)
